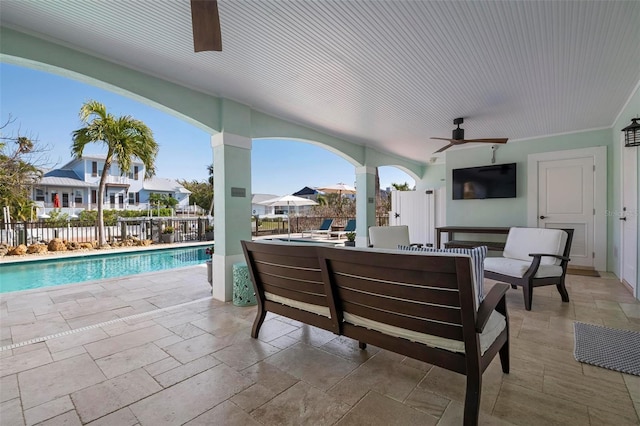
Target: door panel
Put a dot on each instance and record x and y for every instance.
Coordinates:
(417, 210)
(629, 226)
(566, 200)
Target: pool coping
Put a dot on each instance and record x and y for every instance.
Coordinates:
(8, 260)
(11, 294)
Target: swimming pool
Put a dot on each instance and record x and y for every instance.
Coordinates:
(52, 272)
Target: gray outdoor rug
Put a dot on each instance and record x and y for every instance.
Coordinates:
(610, 348)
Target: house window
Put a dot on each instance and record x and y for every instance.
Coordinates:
(133, 173)
(94, 168)
(77, 197)
(132, 197)
(137, 198)
(94, 196)
(39, 195)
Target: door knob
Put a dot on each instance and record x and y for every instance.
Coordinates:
(623, 218)
(542, 217)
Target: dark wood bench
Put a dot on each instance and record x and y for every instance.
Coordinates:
(421, 305)
(288, 281)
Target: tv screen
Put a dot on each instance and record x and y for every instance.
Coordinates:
(495, 181)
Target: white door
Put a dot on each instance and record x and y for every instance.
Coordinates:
(566, 200)
(416, 209)
(629, 219)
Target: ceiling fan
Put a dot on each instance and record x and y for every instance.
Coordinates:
(206, 26)
(457, 137)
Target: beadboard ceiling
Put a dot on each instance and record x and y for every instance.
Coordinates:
(388, 74)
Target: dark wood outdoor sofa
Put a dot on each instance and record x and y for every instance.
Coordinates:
(421, 305)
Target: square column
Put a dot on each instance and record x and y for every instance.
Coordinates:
(365, 203)
(232, 207)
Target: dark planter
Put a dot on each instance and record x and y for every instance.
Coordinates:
(167, 238)
(349, 243)
(208, 236)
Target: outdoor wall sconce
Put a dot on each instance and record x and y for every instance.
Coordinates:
(632, 133)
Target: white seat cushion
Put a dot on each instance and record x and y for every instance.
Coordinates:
(517, 268)
(309, 307)
(492, 330)
(523, 241)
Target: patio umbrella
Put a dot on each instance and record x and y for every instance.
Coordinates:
(288, 200)
(56, 201)
(339, 188)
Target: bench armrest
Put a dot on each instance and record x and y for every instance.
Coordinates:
(416, 245)
(549, 255)
(494, 299)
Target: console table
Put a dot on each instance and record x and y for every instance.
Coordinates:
(452, 230)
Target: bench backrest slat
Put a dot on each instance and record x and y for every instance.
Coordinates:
(435, 295)
(306, 280)
(419, 325)
(394, 276)
(408, 307)
(292, 272)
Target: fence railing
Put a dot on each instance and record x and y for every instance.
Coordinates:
(185, 229)
(303, 223)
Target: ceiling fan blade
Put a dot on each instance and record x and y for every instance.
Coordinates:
(490, 140)
(206, 26)
(443, 148)
(441, 139)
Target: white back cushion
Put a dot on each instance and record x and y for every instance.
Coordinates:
(523, 241)
(389, 237)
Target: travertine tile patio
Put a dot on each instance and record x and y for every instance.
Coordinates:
(189, 359)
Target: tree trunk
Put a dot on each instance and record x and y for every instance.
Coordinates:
(101, 189)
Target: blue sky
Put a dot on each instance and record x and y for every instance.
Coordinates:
(45, 106)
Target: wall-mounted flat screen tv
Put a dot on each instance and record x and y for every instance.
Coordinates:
(494, 181)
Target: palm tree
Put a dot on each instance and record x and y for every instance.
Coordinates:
(401, 186)
(125, 138)
(210, 170)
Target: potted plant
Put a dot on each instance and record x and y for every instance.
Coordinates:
(351, 239)
(167, 234)
(208, 233)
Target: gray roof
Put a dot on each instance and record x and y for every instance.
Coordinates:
(62, 173)
(63, 181)
(165, 185)
(258, 198)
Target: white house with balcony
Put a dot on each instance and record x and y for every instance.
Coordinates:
(74, 187)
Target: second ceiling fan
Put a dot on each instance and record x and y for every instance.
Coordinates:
(457, 137)
(205, 22)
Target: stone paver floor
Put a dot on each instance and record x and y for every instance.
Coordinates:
(155, 349)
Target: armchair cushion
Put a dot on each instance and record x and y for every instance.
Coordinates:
(517, 268)
(523, 241)
(477, 254)
(389, 237)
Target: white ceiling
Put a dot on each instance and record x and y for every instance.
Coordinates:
(389, 74)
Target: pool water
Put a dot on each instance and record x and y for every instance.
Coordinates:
(52, 272)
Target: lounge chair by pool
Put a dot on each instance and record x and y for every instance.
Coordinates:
(324, 229)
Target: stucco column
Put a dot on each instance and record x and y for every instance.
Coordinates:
(365, 203)
(232, 207)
